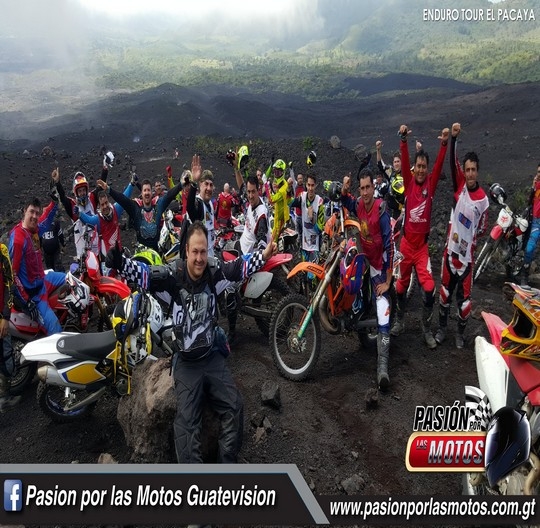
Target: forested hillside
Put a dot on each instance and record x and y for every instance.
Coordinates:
(357, 39)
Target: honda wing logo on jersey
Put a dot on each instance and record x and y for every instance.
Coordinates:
(417, 212)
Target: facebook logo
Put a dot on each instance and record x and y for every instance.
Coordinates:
(12, 495)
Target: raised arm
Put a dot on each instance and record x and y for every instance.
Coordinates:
(66, 202)
(127, 203)
(437, 168)
(458, 177)
(405, 158)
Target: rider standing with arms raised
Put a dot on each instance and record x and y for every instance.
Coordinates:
(468, 219)
(420, 189)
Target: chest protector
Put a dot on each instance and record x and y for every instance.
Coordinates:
(195, 322)
(149, 222)
(248, 240)
(464, 222)
(81, 229)
(310, 237)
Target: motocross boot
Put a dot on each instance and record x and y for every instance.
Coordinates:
(383, 352)
(440, 336)
(427, 313)
(399, 326)
(460, 340)
(6, 400)
(525, 274)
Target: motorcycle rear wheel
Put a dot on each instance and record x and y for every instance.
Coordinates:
(24, 374)
(294, 358)
(269, 299)
(51, 400)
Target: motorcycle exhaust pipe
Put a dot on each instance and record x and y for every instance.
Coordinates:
(87, 401)
(50, 376)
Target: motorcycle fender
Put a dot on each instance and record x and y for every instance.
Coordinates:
(496, 232)
(492, 372)
(495, 326)
(257, 284)
(113, 286)
(306, 267)
(276, 260)
(44, 350)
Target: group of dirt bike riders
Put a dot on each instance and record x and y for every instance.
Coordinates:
(393, 210)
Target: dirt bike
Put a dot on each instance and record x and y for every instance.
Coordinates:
(509, 375)
(295, 328)
(260, 293)
(71, 303)
(506, 243)
(75, 370)
(105, 291)
(227, 236)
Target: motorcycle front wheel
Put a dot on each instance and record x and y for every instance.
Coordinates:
(485, 256)
(23, 374)
(52, 399)
(294, 357)
(514, 266)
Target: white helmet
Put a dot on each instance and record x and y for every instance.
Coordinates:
(77, 297)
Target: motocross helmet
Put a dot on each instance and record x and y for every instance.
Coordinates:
(80, 181)
(312, 158)
(352, 267)
(279, 165)
(508, 443)
(334, 190)
(148, 256)
(77, 296)
(134, 319)
(521, 338)
(243, 157)
(497, 194)
(398, 189)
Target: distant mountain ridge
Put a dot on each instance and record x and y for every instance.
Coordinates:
(172, 110)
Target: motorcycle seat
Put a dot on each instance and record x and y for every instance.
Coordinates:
(87, 346)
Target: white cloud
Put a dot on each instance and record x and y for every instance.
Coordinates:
(191, 9)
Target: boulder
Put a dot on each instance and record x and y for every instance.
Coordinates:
(335, 142)
(147, 416)
(270, 394)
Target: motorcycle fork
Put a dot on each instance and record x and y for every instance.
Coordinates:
(319, 292)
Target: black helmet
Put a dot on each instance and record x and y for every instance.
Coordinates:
(497, 194)
(312, 158)
(508, 443)
(334, 191)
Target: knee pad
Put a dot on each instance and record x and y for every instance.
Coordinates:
(444, 296)
(464, 309)
(230, 299)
